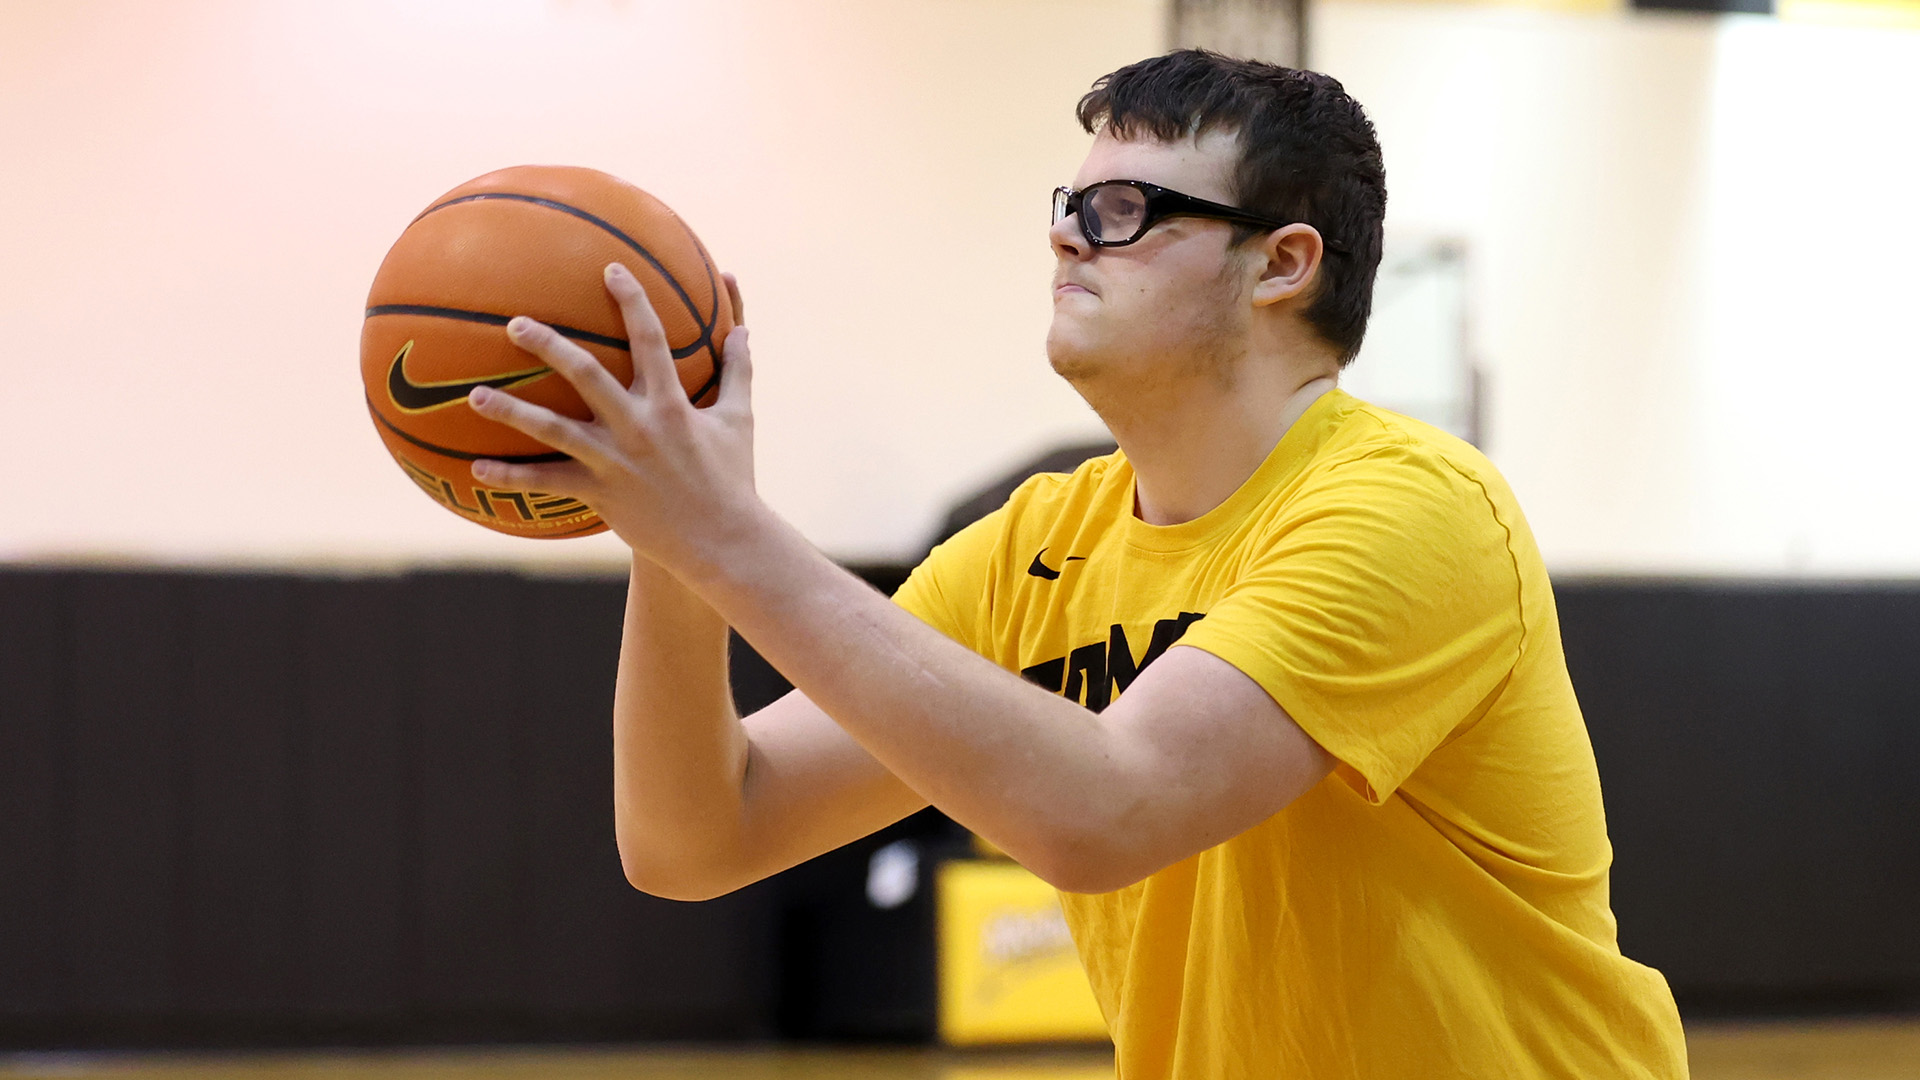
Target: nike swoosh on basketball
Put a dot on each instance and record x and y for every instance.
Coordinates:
(1040, 569)
(412, 397)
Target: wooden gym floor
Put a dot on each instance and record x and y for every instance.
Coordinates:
(1823, 1050)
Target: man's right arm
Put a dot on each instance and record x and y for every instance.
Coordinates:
(705, 802)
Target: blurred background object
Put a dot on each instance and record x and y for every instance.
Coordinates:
(1270, 30)
(1417, 358)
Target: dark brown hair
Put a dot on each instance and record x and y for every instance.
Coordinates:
(1307, 153)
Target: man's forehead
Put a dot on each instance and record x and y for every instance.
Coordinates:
(1200, 166)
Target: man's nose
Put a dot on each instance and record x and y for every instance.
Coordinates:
(1068, 242)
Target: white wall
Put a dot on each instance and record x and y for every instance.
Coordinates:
(1691, 238)
(1693, 274)
(198, 194)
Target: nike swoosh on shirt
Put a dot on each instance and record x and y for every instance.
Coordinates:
(1040, 569)
(412, 397)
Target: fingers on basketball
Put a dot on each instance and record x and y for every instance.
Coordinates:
(654, 371)
(583, 371)
(517, 242)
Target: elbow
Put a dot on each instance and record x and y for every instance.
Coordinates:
(677, 889)
(1079, 862)
(675, 882)
(1088, 878)
(683, 875)
(1099, 845)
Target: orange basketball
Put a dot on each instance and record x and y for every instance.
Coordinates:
(532, 240)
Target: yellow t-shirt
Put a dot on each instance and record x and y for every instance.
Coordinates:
(1436, 908)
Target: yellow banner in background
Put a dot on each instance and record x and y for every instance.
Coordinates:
(1896, 14)
(1584, 6)
(1008, 969)
(1893, 14)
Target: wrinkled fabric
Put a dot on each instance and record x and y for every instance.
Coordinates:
(1438, 906)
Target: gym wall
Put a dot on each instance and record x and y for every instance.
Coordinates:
(205, 188)
(1667, 393)
(271, 808)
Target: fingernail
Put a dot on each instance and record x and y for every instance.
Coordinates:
(519, 326)
(479, 395)
(616, 272)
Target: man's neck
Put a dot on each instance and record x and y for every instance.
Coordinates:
(1197, 443)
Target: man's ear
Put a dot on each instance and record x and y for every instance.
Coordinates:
(1292, 258)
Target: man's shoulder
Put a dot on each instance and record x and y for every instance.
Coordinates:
(1366, 428)
(1376, 443)
(1415, 487)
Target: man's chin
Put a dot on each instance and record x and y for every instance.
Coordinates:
(1069, 361)
(1070, 353)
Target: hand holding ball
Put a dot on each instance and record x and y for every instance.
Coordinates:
(533, 241)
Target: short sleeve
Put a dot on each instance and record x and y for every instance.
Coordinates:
(1382, 612)
(949, 588)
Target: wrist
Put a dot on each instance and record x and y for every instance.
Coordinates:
(739, 555)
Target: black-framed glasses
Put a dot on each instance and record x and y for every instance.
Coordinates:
(1115, 213)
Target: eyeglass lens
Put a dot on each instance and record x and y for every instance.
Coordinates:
(1109, 212)
(1113, 212)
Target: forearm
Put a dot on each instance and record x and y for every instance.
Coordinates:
(889, 714)
(1034, 773)
(680, 752)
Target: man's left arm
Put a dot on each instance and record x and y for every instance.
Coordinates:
(1194, 753)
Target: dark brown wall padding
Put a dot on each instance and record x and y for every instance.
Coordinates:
(280, 809)
(1759, 746)
(258, 809)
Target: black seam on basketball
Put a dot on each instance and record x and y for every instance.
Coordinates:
(706, 327)
(488, 318)
(713, 380)
(713, 284)
(462, 455)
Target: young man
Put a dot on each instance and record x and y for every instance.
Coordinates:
(1346, 824)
